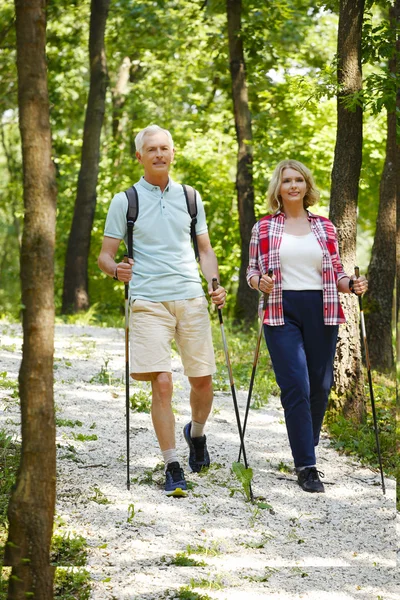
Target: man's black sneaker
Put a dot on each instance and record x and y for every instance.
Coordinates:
(175, 484)
(198, 453)
(308, 479)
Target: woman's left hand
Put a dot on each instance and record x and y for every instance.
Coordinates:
(360, 285)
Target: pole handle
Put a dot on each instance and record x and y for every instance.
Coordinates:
(266, 296)
(357, 274)
(214, 283)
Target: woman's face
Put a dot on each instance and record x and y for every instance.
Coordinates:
(293, 187)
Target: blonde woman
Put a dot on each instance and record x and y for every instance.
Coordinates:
(304, 312)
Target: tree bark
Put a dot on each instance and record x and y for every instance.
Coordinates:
(397, 17)
(246, 300)
(118, 96)
(76, 289)
(343, 201)
(382, 267)
(31, 508)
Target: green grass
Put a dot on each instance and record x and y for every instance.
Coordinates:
(71, 584)
(183, 560)
(141, 401)
(9, 461)
(82, 437)
(185, 593)
(68, 423)
(9, 384)
(68, 550)
(358, 440)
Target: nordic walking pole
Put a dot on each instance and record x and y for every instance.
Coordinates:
(255, 361)
(371, 389)
(130, 221)
(232, 383)
(128, 481)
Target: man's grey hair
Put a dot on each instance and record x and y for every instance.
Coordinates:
(151, 129)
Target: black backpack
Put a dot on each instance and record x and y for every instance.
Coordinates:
(133, 211)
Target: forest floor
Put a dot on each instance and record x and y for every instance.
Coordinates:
(213, 544)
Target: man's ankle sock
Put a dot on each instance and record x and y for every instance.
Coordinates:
(197, 429)
(169, 456)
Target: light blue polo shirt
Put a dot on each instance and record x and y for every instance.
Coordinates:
(165, 266)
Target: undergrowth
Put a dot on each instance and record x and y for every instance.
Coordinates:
(358, 439)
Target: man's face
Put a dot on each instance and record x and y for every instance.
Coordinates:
(156, 155)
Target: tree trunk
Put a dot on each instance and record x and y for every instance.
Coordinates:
(76, 293)
(397, 17)
(31, 508)
(343, 202)
(246, 300)
(382, 267)
(118, 96)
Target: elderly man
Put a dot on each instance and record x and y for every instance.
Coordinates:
(167, 300)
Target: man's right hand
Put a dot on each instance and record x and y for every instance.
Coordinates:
(123, 270)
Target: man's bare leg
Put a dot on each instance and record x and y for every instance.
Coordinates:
(201, 398)
(161, 410)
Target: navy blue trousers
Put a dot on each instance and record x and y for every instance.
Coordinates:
(302, 353)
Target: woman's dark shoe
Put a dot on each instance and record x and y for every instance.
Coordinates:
(309, 480)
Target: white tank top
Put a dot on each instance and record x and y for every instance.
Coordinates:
(301, 262)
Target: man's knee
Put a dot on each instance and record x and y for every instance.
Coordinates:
(162, 387)
(201, 385)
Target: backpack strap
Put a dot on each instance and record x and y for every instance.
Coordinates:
(131, 215)
(191, 203)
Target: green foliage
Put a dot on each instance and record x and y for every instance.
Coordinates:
(68, 423)
(359, 440)
(141, 401)
(71, 584)
(183, 83)
(284, 468)
(131, 513)
(183, 560)
(185, 593)
(210, 583)
(68, 550)
(83, 437)
(9, 462)
(9, 384)
(104, 377)
(210, 550)
(98, 496)
(245, 477)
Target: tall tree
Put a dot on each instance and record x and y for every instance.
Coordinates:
(344, 197)
(31, 508)
(382, 266)
(76, 289)
(246, 300)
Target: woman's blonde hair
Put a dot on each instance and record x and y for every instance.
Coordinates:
(273, 195)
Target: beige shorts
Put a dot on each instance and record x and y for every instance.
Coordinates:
(153, 326)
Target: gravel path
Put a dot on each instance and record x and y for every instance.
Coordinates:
(334, 546)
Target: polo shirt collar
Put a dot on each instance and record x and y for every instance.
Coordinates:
(151, 187)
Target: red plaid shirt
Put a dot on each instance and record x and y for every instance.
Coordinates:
(265, 242)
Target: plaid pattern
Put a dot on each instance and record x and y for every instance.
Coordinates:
(265, 242)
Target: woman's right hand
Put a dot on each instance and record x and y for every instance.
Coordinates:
(266, 284)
